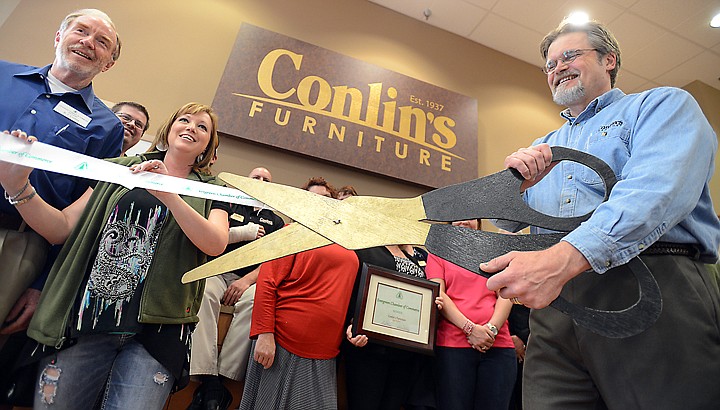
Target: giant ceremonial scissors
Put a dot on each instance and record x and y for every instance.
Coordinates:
(363, 222)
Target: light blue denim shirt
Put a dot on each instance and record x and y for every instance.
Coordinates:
(662, 149)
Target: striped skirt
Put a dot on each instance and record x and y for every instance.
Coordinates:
(292, 383)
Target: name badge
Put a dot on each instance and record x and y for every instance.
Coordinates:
(72, 114)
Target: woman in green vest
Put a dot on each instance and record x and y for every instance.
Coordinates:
(114, 320)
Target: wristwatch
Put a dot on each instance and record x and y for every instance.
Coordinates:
(492, 328)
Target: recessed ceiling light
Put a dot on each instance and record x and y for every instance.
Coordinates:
(715, 22)
(577, 18)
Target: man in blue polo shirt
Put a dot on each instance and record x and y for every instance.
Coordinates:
(55, 103)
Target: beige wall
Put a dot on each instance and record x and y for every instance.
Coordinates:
(175, 52)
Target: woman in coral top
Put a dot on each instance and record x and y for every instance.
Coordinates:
(298, 319)
(474, 355)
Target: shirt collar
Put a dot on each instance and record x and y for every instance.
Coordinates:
(595, 105)
(87, 94)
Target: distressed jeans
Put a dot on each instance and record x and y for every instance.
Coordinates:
(76, 376)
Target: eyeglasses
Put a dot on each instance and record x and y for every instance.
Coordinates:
(130, 120)
(567, 57)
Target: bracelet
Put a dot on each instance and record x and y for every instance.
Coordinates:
(12, 198)
(24, 199)
(468, 327)
(492, 328)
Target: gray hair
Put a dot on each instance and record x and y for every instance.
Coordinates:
(598, 35)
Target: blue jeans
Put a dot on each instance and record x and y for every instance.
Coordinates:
(75, 377)
(468, 379)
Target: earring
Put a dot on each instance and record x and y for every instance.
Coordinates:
(199, 158)
(161, 146)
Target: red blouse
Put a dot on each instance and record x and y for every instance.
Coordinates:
(303, 299)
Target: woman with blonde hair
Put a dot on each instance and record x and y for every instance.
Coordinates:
(114, 319)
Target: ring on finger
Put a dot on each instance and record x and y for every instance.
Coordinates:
(516, 301)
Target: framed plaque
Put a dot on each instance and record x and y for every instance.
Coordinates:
(396, 310)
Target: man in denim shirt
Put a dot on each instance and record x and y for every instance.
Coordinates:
(662, 151)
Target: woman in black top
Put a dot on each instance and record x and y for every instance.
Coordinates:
(378, 376)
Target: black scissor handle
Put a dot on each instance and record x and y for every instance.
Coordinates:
(627, 322)
(497, 196)
(468, 249)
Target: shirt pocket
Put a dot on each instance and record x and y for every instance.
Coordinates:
(67, 139)
(611, 146)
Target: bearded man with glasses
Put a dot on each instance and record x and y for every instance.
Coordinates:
(662, 150)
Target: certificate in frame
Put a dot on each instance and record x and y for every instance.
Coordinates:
(396, 310)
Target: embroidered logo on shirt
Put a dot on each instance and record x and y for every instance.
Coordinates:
(612, 124)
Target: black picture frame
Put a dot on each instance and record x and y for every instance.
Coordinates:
(396, 310)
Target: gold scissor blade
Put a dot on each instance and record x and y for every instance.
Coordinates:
(309, 209)
(291, 239)
(355, 223)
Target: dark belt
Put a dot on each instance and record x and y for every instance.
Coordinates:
(13, 223)
(670, 248)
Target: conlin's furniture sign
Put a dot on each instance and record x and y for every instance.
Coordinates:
(299, 97)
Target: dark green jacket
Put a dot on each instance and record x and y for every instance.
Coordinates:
(164, 299)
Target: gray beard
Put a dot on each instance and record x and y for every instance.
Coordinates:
(569, 96)
(76, 68)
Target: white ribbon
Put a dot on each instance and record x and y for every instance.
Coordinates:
(51, 158)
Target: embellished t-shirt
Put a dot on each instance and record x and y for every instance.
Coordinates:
(109, 300)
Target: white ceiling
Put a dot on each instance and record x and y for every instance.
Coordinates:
(663, 42)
